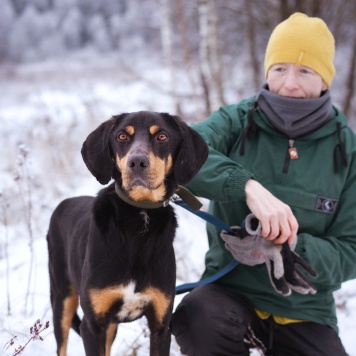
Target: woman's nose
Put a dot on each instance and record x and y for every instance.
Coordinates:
(291, 80)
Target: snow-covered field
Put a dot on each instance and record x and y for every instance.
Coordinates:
(46, 112)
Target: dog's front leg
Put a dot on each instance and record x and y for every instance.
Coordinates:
(159, 318)
(160, 341)
(94, 338)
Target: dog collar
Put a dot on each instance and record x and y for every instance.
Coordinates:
(143, 204)
(181, 192)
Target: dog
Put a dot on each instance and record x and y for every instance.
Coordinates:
(114, 253)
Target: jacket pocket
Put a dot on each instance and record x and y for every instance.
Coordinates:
(314, 211)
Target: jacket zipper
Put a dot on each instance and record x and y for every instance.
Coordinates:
(290, 155)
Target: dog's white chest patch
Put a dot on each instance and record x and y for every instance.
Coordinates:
(133, 303)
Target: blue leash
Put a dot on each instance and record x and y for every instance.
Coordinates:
(183, 288)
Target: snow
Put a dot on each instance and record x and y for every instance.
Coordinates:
(48, 113)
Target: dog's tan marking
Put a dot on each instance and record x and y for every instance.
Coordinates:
(134, 303)
(102, 299)
(122, 163)
(70, 305)
(110, 336)
(159, 301)
(169, 164)
(157, 168)
(154, 129)
(130, 130)
(138, 193)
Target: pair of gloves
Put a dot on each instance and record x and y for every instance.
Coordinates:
(250, 248)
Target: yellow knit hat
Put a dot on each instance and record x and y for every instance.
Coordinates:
(305, 41)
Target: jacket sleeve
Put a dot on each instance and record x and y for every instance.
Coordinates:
(334, 255)
(221, 179)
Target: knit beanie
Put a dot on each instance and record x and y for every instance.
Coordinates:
(304, 41)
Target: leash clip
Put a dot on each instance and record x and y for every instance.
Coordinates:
(174, 197)
(166, 202)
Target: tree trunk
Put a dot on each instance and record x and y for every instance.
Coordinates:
(283, 4)
(255, 66)
(209, 55)
(351, 84)
(186, 57)
(316, 7)
(167, 49)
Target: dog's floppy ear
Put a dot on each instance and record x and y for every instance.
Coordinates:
(96, 152)
(192, 154)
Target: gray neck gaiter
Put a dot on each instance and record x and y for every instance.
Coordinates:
(295, 117)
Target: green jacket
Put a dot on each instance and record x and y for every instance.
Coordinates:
(318, 187)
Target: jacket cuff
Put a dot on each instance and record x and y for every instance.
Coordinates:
(236, 184)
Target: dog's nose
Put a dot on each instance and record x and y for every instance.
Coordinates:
(138, 162)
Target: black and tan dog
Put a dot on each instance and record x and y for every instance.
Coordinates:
(114, 252)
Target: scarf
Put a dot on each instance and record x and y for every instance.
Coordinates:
(295, 117)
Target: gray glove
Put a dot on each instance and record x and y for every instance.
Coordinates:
(246, 244)
(250, 248)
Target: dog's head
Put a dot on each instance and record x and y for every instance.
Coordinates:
(147, 153)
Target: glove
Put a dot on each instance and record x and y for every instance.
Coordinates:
(293, 277)
(250, 248)
(246, 247)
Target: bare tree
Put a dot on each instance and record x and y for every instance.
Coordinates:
(187, 57)
(167, 49)
(209, 55)
(253, 53)
(351, 83)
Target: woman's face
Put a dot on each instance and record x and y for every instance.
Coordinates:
(295, 81)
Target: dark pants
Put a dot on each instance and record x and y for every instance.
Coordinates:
(213, 320)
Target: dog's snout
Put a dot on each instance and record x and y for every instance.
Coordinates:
(138, 162)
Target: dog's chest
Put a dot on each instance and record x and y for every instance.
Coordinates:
(133, 304)
(124, 304)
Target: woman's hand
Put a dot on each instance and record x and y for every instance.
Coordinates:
(276, 218)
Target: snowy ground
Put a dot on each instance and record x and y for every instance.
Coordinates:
(48, 114)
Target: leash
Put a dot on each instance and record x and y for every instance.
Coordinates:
(206, 216)
(186, 287)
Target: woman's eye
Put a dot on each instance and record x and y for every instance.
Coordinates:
(122, 136)
(306, 71)
(162, 136)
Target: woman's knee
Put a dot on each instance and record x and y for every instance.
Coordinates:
(204, 306)
(191, 314)
(205, 320)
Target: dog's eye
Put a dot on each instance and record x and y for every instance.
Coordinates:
(122, 136)
(162, 136)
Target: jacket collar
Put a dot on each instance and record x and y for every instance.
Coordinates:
(295, 117)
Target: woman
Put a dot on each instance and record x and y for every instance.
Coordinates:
(287, 156)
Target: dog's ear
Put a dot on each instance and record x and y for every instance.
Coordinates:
(192, 154)
(96, 152)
